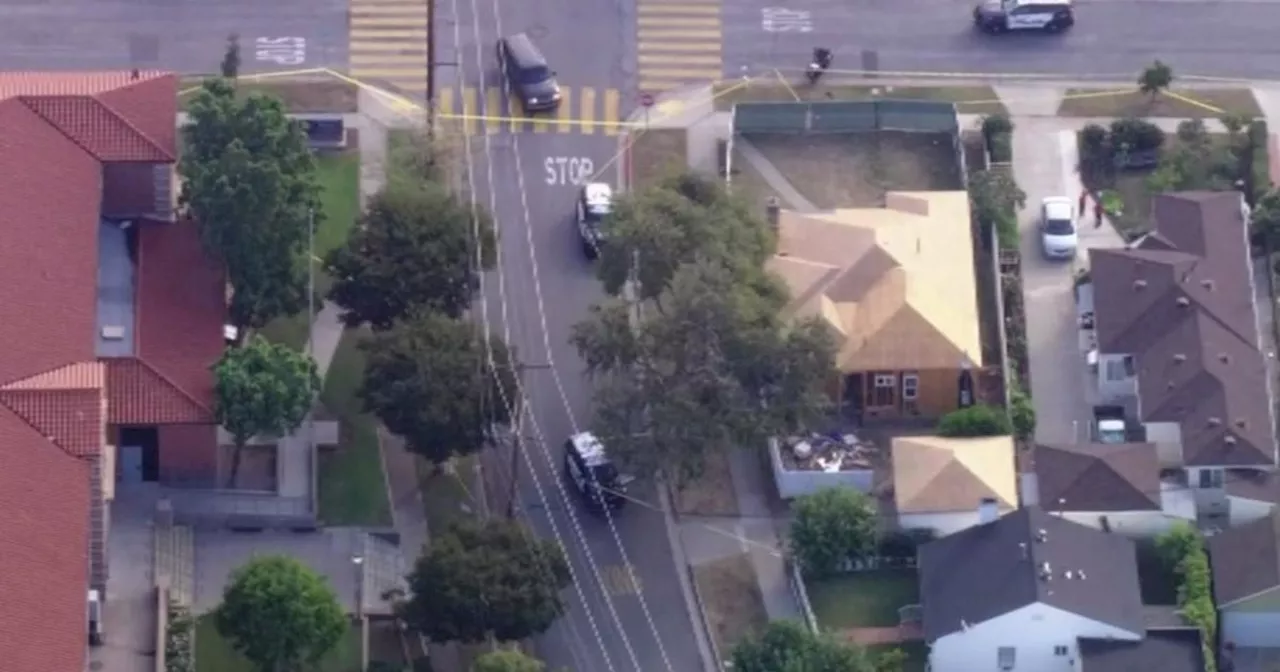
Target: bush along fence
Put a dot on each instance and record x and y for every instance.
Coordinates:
(1182, 548)
(997, 132)
(180, 642)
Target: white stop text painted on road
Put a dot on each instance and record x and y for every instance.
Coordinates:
(281, 50)
(782, 20)
(566, 170)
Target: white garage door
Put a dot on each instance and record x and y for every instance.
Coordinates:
(1251, 629)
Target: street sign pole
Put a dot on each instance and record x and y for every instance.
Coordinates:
(646, 100)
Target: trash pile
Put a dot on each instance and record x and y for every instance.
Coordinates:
(827, 452)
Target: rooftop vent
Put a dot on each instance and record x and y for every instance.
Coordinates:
(1080, 574)
(1229, 440)
(1179, 358)
(1041, 535)
(1026, 554)
(1215, 422)
(1139, 284)
(113, 332)
(1241, 423)
(1046, 572)
(1207, 284)
(1068, 574)
(1183, 301)
(1224, 358)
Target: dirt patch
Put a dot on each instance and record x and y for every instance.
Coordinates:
(300, 96)
(656, 153)
(731, 600)
(1212, 103)
(711, 494)
(855, 170)
(968, 99)
(747, 182)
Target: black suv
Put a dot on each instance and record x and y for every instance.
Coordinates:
(527, 70)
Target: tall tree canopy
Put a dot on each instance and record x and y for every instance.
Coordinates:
(683, 218)
(478, 580)
(415, 249)
(430, 381)
(249, 180)
(280, 614)
(262, 388)
(711, 365)
(786, 646)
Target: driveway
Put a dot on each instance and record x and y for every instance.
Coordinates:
(1044, 159)
(129, 612)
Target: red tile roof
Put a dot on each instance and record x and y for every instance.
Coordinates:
(44, 551)
(56, 130)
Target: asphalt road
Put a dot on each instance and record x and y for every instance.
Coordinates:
(626, 611)
(1224, 38)
(181, 35)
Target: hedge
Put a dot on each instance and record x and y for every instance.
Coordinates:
(1182, 547)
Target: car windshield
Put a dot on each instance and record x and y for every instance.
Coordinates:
(1059, 227)
(597, 212)
(534, 75)
(606, 475)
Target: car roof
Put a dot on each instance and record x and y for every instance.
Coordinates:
(1020, 3)
(589, 448)
(1057, 207)
(597, 193)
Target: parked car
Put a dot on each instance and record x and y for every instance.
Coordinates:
(1001, 16)
(595, 202)
(1058, 235)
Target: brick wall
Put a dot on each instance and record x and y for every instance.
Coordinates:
(188, 455)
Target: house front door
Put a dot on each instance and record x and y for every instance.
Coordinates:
(131, 464)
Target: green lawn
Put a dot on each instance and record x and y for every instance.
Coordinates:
(917, 654)
(449, 496)
(214, 654)
(353, 488)
(863, 599)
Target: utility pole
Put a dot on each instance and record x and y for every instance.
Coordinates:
(517, 427)
(431, 57)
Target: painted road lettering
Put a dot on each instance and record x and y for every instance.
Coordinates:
(566, 170)
(782, 20)
(281, 50)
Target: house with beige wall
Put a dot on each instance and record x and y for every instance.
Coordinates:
(947, 484)
(896, 286)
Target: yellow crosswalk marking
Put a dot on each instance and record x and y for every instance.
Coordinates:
(564, 115)
(418, 85)
(679, 34)
(389, 59)
(540, 122)
(679, 59)
(418, 47)
(386, 9)
(493, 110)
(588, 110)
(406, 21)
(444, 101)
(470, 110)
(682, 47)
(374, 34)
(610, 114)
(668, 8)
(678, 21)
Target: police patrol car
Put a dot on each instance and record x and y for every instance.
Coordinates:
(593, 475)
(999, 16)
(595, 202)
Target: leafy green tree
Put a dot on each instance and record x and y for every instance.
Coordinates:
(230, 65)
(1266, 218)
(1155, 78)
(890, 660)
(414, 250)
(683, 218)
(786, 646)
(831, 527)
(262, 388)
(481, 580)
(977, 420)
(249, 180)
(429, 379)
(710, 366)
(507, 661)
(1177, 544)
(995, 199)
(280, 614)
(1022, 415)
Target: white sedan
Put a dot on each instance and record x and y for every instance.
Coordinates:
(1058, 235)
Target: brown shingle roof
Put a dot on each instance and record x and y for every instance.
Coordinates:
(1098, 477)
(1182, 304)
(983, 572)
(44, 551)
(1246, 560)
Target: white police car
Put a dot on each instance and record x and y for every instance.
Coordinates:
(593, 474)
(999, 16)
(595, 202)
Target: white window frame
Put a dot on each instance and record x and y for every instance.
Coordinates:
(885, 380)
(1211, 478)
(1007, 657)
(910, 386)
(1061, 650)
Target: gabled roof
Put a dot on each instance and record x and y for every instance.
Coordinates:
(1182, 303)
(1246, 560)
(990, 570)
(1098, 477)
(933, 474)
(875, 275)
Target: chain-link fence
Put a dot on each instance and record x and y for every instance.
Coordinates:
(845, 117)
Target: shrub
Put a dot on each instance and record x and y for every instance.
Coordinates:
(978, 420)
(1022, 414)
(1095, 153)
(179, 645)
(1137, 135)
(832, 527)
(1182, 548)
(1000, 148)
(996, 124)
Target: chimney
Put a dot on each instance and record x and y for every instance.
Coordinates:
(1183, 302)
(1224, 358)
(1179, 358)
(772, 212)
(1229, 440)
(1042, 535)
(988, 510)
(1139, 284)
(1215, 422)
(1207, 284)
